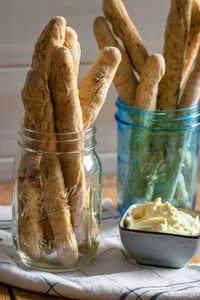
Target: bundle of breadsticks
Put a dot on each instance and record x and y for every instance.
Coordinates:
(168, 81)
(53, 202)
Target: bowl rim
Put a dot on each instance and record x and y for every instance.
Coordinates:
(121, 228)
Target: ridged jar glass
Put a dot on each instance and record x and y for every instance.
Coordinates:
(157, 155)
(56, 199)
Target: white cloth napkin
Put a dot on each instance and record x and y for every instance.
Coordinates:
(113, 274)
(5, 217)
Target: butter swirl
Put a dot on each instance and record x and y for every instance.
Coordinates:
(158, 217)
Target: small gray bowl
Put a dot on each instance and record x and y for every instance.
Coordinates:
(159, 249)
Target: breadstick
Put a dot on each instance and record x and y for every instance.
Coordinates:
(153, 71)
(30, 230)
(94, 84)
(176, 32)
(52, 35)
(115, 12)
(68, 117)
(93, 88)
(124, 80)
(71, 42)
(36, 100)
(193, 40)
(191, 94)
(40, 113)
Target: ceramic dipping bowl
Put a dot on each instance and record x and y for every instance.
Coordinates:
(159, 249)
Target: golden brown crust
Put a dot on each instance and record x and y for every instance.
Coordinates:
(176, 32)
(37, 102)
(71, 42)
(30, 229)
(52, 35)
(153, 71)
(68, 117)
(58, 210)
(94, 84)
(40, 113)
(64, 92)
(124, 80)
(115, 12)
(191, 94)
(193, 39)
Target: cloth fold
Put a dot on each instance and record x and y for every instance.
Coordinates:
(113, 274)
(5, 217)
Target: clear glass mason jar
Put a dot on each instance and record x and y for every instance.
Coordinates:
(56, 199)
(157, 155)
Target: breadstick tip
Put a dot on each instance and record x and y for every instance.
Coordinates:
(160, 61)
(60, 50)
(71, 42)
(61, 53)
(98, 23)
(146, 93)
(111, 54)
(59, 20)
(69, 30)
(108, 4)
(111, 8)
(99, 20)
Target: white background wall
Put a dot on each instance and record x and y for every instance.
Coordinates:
(21, 21)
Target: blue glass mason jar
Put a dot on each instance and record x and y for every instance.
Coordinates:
(157, 155)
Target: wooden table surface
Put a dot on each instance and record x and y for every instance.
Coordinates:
(109, 190)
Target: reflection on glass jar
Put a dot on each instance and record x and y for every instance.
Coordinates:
(56, 199)
(157, 155)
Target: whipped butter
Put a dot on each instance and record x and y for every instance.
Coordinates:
(158, 217)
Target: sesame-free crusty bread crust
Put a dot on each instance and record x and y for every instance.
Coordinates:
(37, 102)
(71, 42)
(40, 113)
(68, 118)
(191, 94)
(93, 88)
(193, 39)
(94, 84)
(115, 12)
(29, 190)
(176, 34)
(124, 80)
(63, 88)
(30, 229)
(153, 71)
(52, 35)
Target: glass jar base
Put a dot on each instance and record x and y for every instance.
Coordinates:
(55, 268)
